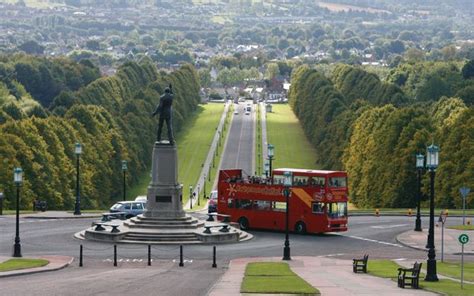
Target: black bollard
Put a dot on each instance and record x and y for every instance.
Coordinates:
(149, 255)
(214, 265)
(181, 256)
(115, 255)
(80, 256)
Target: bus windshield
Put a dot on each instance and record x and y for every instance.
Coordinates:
(337, 209)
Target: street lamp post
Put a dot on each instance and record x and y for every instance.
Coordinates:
(420, 163)
(1, 203)
(204, 185)
(271, 152)
(77, 206)
(124, 170)
(286, 192)
(266, 167)
(432, 159)
(198, 196)
(191, 197)
(18, 179)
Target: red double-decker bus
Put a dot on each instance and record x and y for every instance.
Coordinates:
(318, 201)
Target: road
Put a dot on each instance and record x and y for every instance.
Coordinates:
(375, 236)
(239, 151)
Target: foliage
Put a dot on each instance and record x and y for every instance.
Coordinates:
(110, 117)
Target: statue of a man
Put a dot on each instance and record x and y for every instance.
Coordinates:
(164, 109)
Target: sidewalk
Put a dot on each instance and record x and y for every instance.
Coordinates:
(332, 277)
(59, 215)
(55, 263)
(418, 240)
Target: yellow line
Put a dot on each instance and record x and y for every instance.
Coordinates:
(303, 195)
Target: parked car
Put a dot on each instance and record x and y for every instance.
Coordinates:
(212, 206)
(247, 112)
(236, 112)
(130, 208)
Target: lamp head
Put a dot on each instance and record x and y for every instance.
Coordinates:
(78, 149)
(432, 157)
(18, 176)
(124, 165)
(271, 151)
(420, 161)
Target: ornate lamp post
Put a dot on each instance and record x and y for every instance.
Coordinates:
(420, 163)
(18, 179)
(271, 152)
(432, 160)
(1, 203)
(286, 192)
(204, 185)
(77, 206)
(124, 170)
(266, 167)
(191, 197)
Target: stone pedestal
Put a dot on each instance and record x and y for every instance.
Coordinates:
(164, 193)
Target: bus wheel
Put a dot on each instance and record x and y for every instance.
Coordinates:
(300, 228)
(244, 223)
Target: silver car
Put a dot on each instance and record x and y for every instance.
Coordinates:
(130, 208)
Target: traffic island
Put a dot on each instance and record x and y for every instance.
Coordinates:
(164, 221)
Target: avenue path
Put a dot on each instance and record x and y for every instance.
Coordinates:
(375, 236)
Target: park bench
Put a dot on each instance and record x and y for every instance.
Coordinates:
(113, 215)
(409, 276)
(224, 227)
(99, 226)
(360, 265)
(225, 218)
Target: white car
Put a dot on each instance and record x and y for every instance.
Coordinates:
(247, 113)
(236, 112)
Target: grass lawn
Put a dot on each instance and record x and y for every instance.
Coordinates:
(274, 277)
(462, 227)
(15, 264)
(194, 142)
(453, 269)
(388, 269)
(292, 148)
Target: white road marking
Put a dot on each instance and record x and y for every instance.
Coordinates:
(370, 240)
(388, 226)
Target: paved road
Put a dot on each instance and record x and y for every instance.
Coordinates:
(239, 151)
(366, 235)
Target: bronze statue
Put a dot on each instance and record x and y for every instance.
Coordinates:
(165, 110)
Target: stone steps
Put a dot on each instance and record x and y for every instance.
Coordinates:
(161, 237)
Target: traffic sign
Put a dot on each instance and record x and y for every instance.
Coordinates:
(464, 191)
(463, 239)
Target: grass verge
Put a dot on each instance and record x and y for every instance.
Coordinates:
(292, 148)
(388, 269)
(274, 277)
(16, 264)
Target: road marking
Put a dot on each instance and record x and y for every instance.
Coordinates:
(370, 240)
(134, 260)
(388, 226)
(184, 261)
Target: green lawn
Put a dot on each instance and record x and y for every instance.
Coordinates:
(15, 264)
(388, 269)
(462, 227)
(193, 145)
(274, 277)
(453, 269)
(292, 148)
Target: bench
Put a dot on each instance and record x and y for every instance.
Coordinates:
(113, 215)
(99, 226)
(409, 276)
(224, 227)
(225, 218)
(360, 265)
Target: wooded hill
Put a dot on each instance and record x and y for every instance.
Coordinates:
(373, 129)
(109, 116)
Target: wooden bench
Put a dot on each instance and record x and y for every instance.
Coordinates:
(409, 276)
(225, 218)
(106, 217)
(360, 265)
(224, 227)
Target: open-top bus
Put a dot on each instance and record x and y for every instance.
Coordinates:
(318, 201)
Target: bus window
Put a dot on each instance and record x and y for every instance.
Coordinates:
(300, 180)
(279, 206)
(243, 204)
(262, 205)
(338, 182)
(318, 207)
(230, 203)
(317, 181)
(278, 179)
(337, 209)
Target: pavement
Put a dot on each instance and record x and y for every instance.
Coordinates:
(331, 276)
